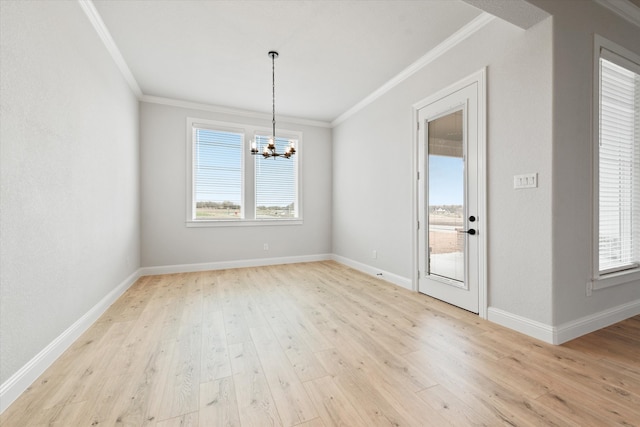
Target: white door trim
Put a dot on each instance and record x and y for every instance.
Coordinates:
(478, 77)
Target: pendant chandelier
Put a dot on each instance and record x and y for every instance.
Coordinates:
(269, 150)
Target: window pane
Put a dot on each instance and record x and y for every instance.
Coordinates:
(619, 164)
(276, 182)
(218, 174)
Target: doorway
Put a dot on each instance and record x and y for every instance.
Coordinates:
(451, 224)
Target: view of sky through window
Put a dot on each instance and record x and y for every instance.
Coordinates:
(446, 180)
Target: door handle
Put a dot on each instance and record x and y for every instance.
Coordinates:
(469, 231)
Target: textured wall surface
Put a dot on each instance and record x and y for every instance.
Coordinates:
(69, 171)
(573, 56)
(166, 240)
(373, 159)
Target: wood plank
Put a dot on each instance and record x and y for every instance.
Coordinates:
(477, 389)
(139, 399)
(256, 405)
(373, 399)
(366, 352)
(88, 367)
(334, 408)
(302, 359)
(316, 422)
(451, 408)
(294, 406)
(59, 415)
(211, 291)
(187, 420)
(181, 392)
(319, 344)
(102, 401)
(215, 353)
(218, 406)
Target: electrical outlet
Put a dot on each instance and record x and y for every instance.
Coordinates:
(529, 180)
(266, 247)
(374, 254)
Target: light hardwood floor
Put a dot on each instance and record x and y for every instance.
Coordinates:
(319, 344)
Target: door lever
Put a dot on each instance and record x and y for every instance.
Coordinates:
(469, 231)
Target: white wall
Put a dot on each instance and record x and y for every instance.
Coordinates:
(166, 240)
(574, 27)
(373, 158)
(69, 173)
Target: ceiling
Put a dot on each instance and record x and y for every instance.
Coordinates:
(332, 53)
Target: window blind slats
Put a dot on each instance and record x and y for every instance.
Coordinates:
(276, 182)
(217, 174)
(619, 167)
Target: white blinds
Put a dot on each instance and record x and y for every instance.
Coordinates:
(276, 182)
(619, 164)
(218, 174)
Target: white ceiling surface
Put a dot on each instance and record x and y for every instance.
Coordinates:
(333, 54)
(518, 12)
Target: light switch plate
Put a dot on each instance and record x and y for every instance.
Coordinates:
(528, 180)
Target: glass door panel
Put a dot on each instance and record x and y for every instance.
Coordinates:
(445, 206)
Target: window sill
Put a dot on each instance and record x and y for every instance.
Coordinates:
(615, 279)
(243, 223)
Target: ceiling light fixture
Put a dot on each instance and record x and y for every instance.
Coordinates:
(269, 150)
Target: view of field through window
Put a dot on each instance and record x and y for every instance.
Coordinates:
(218, 174)
(445, 257)
(276, 182)
(445, 210)
(442, 218)
(219, 178)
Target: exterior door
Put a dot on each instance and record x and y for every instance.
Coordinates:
(448, 214)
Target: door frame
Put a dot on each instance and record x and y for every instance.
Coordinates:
(479, 78)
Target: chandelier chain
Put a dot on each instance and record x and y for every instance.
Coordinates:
(273, 93)
(269, 149)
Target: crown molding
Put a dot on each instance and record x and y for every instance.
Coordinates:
(226, 110)
(449, 43)
(98, 24)
(623, 8)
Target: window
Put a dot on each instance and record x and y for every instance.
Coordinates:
(217, 174)
(276, 182)
(618, 160)
(229, 186)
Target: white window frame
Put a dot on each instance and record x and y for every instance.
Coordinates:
(613, 52)
(248, 166)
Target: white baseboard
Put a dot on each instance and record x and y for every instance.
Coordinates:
(222, 265)
(585, 325)
(521, 324)
(401, 281)
(567, 331)
(13, 387)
